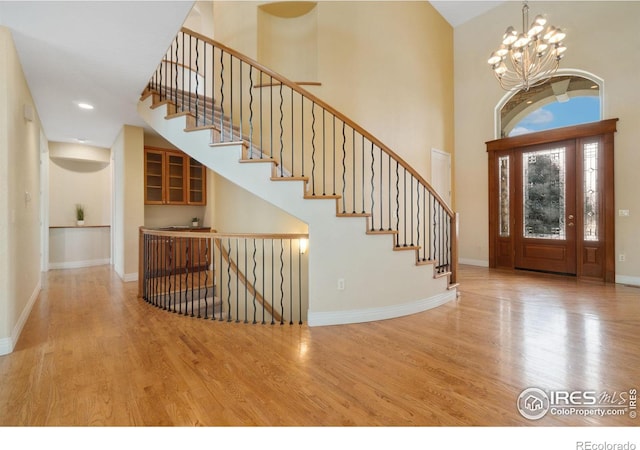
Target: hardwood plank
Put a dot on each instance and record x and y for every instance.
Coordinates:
(93, 354)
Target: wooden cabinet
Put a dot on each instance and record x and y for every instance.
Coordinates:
(197, 183)
(173, 178)
(178, 255)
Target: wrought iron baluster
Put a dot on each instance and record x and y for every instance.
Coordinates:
(353, 169)
(404, 205)
(324, 150)
(290, 285)
(373, 202)
(237, 281)
(293, 145)
(231, 102)
(313, 149)
(411, 197)
(246, 284)
(362, 193)
(229, 280)
(240, 106)
(344, 168)
(301, 133)
(221, 251)
(251, 111)
(197, 76)
(299, 290)
(263, 280)
(170, 269)
(281, 285)
(381, 191)
(222, 96)
(255, 278)
(206, 277)
(182, 84)
(281, 133)
(397, 204)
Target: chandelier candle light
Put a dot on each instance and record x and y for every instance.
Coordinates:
(534, 55)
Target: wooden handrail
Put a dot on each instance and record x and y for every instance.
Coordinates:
(217, 235)
(160, 264)
(346, 120)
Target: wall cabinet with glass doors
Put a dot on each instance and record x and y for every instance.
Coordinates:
(173, 178)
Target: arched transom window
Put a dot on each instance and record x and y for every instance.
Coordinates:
(563, 101)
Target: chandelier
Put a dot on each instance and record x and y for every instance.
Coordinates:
(533, 55)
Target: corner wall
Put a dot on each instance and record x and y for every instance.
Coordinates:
(19, 197)
(128, 211)
(477, 93)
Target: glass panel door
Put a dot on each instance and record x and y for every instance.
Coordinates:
(546, 209)
(543, 185)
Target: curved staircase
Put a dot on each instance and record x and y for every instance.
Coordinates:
(382, 243)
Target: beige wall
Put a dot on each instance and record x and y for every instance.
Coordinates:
(386, 65)
(239, 211)
(590, 43)
(79, 174)
(128, 154)
(19, 197)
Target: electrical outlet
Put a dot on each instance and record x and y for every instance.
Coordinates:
(623, 212)
(341, 284)
(621, 257)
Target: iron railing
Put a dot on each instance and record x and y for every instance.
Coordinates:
(249, 278)
(308, 139)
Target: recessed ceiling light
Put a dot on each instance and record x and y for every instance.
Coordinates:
(81, 140)
(85, 105)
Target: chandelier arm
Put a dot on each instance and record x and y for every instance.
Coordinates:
(533, 60)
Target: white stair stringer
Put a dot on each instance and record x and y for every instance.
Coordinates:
(379, 283)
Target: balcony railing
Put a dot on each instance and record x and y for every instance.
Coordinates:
(248, 278)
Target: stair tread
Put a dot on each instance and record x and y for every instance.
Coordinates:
(322, 197)
(352, 214)
(285, 178)
(382, 232)
(400, 248)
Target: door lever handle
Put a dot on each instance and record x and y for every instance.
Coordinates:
(570, 216)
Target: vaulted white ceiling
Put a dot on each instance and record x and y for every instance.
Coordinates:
(99, 52)
(457, 12)
(103, 53)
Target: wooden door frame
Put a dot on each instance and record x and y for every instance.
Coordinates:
(499, 147)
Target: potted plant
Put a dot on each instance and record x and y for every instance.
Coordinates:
(79, 214)
(195, 221)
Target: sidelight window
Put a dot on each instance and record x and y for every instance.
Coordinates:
(590, 189)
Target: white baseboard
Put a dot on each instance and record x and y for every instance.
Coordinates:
(8, 344)
(474, 262)
(79, 264)
(130, 277)
(315, 319)
(623, 279)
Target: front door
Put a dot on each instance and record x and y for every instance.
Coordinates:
(545, 208)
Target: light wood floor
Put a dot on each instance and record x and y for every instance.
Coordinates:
(92, 353)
